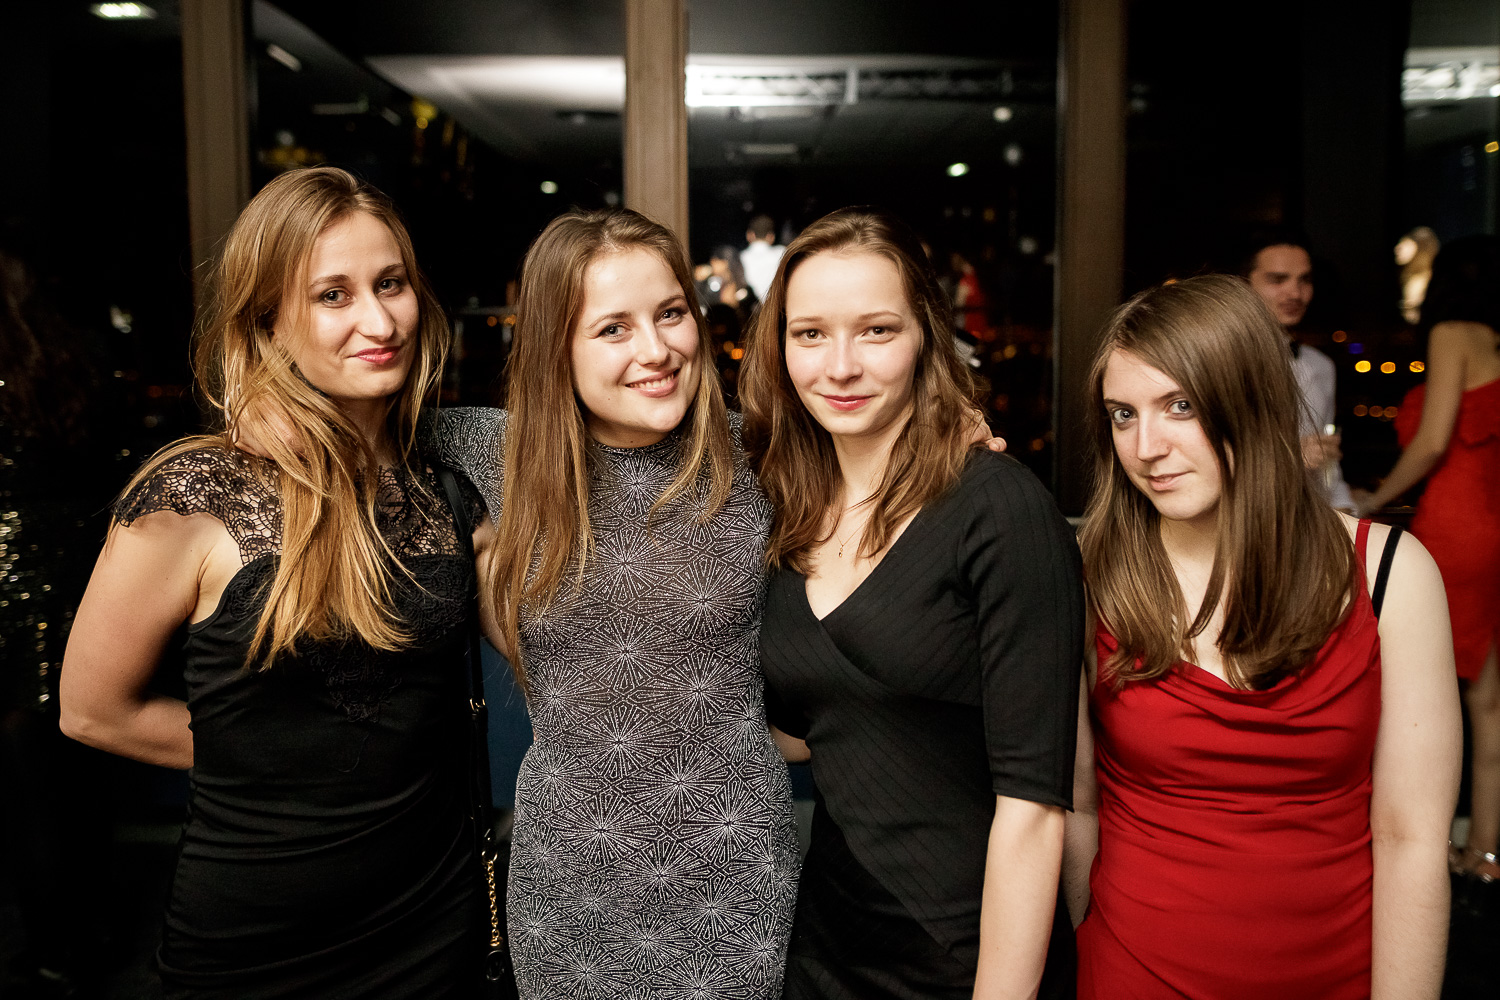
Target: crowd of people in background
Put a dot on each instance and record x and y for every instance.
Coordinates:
(1220, 720)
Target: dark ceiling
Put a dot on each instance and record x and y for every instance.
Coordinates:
(466, 58)
(998, 29)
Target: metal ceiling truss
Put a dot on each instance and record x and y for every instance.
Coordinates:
(726, 86)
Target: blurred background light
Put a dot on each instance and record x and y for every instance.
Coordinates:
(957, 169)
(284, 57)
(122, 11)
(1362, 366)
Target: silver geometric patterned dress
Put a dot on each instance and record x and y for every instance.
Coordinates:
(654, 853)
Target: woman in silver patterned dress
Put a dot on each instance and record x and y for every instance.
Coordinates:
(654, 852)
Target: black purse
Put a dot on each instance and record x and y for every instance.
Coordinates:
(499, 974)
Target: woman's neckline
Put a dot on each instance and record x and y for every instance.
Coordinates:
(667, 441)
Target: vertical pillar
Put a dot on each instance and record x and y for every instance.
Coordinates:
(1090, 220)
(656, 180)
(1353, 148)
(216, 104)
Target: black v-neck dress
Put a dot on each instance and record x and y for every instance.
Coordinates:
(948, 677)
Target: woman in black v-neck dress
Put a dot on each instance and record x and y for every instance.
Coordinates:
(922, 633)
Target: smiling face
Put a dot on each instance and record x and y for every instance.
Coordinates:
(1160, 442)
(634, 349)
(351, 327)
(852, 343)
(1282, 277)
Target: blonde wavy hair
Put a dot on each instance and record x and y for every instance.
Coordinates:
(333, 580)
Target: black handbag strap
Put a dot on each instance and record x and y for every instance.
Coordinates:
(483, 797)
(1383, 574)
(497, 971)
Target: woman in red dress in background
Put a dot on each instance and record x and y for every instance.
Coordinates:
(1277, 752)
(1449, 429)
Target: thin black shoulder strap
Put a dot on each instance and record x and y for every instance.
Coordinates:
(1383, 574)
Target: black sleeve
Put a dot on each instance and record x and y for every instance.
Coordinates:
(241, 491)
(1021, 563)
(783, 716)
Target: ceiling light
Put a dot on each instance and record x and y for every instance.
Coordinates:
(957, 169)
(1004, 114)
(123, 11)
(549, 187)
(284, 57)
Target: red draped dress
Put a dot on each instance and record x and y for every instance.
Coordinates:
(1458, 518)
(1234, 829)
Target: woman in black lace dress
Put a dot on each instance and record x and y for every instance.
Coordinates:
(323, 594)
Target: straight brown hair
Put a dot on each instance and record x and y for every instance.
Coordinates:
(791, 452)
(1284, 568)
(544, 526)
(332, 581)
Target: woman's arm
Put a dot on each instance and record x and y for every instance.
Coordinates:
(1020, 892)
(146, 583)
(793, 750)
(1445, 391)
(1081, 829)
(1416, 767)
(1021, 562)
(489, 625)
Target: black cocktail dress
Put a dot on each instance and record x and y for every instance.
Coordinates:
(327, 851)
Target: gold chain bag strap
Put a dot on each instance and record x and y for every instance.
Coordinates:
(500, 978)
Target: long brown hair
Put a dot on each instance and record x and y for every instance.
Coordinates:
(544, 524)
(333, 578)
(1284, 567)
(791, 452)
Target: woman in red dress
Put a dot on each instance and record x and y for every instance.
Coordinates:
(1263, 805)
(1449, 429)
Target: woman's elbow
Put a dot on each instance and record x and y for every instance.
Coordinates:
(79, 725)
(80, 718)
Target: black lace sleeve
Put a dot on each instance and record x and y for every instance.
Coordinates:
(236, 488)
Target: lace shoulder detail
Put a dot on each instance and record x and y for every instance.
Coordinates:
(470, 439)
(238, 489)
